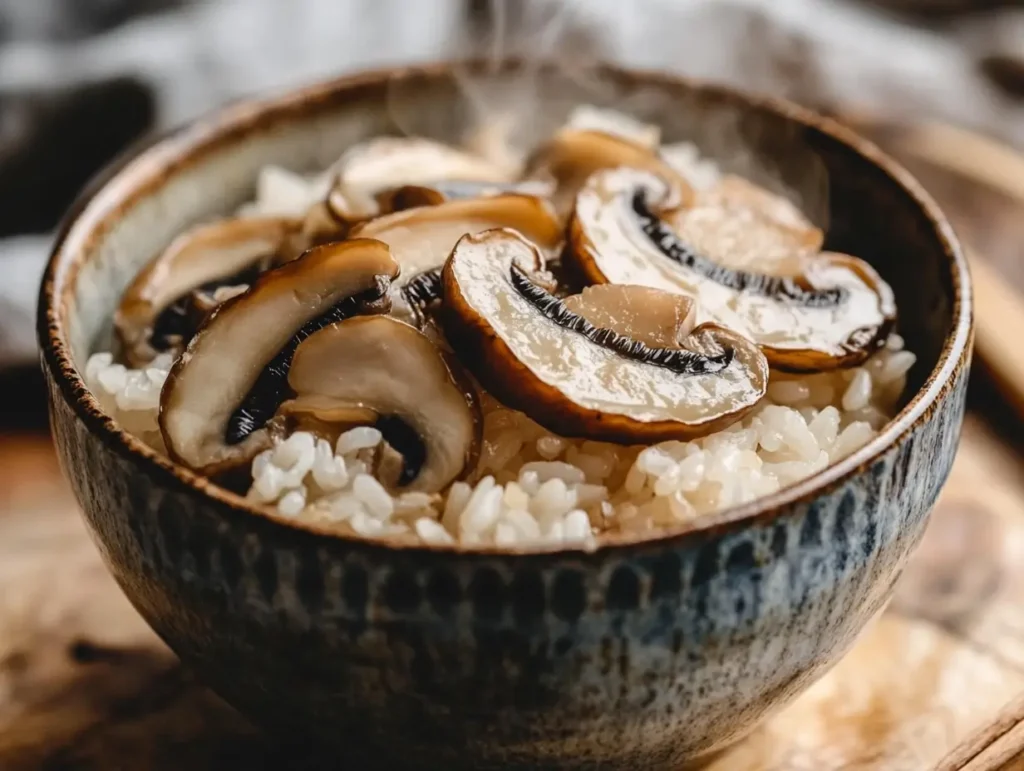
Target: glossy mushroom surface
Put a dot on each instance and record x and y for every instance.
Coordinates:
(232, 377)
(154, 313)
(579, 380)
(421, 239)
(833, 313)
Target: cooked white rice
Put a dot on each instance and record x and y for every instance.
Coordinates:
(531, 486)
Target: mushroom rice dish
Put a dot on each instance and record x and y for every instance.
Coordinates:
(433, 344)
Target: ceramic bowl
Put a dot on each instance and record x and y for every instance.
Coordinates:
(641, 654)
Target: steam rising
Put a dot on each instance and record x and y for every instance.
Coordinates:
(536, 60)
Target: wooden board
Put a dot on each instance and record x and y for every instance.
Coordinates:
(936, 683)
(84, 684)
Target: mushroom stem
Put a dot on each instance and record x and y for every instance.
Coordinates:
(678, 360)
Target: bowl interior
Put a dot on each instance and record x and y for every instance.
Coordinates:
(868, 206)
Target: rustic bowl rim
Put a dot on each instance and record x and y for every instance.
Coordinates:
(145, 169)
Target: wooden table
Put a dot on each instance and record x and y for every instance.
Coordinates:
(936, 681)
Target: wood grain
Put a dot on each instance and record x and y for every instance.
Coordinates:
(85, 684)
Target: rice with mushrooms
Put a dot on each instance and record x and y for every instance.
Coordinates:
(531, 486)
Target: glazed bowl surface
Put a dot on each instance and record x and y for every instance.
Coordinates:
(641, 654)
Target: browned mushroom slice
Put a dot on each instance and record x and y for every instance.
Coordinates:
(159, 297)
(383, 365)
(535, 355)
(832, 313)
(573, 155)
(650, 316)
(421, 240)
(388, 162)
(233, 375)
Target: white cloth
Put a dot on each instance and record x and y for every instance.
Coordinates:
(809, 50)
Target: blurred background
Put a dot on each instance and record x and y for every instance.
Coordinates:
(938, 82)
(80, 80)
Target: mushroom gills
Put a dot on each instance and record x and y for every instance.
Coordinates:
(742, 226)
(535, 354)
(676, 359)
(832, 313)
(232, 377)
(424, 410)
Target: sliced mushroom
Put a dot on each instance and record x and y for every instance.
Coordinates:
(388, 162)
(832, 313)
(217, 252)
(741, 225)
(732, 192)
(650, 316)
(535, 355)
(383, 365)
(573, 155)
(232, 377)
(421, 240)
(590, 118)
(411, 196)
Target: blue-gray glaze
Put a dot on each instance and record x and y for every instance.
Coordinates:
(639, 655)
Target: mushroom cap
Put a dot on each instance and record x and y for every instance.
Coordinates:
(200, 256)
(227, 361)
(536, 356)
(572, 155)
(832, 313)
(421, 239)
(383, 365)
(388, 162)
